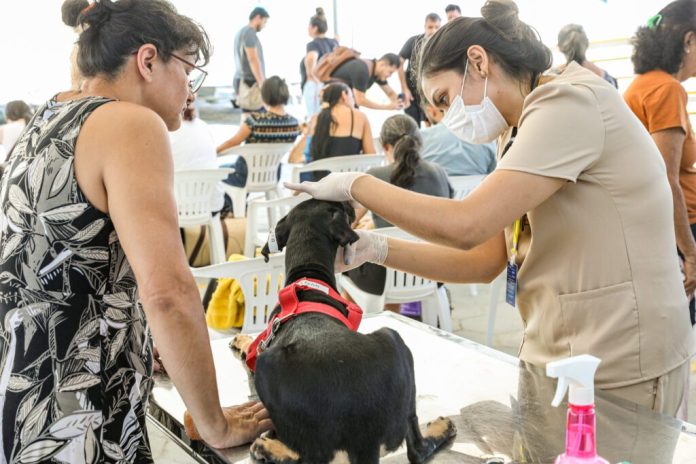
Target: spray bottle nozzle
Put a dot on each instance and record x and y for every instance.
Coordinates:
(577, 373)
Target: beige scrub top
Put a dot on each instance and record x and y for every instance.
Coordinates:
(599, 272)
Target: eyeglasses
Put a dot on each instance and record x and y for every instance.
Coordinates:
(196, 76)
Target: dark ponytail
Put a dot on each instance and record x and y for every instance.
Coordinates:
(514, 45)
(401, 132)
(331, 95)
(114, 30)
(573, 43)
(70, 11)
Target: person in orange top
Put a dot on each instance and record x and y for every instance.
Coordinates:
(664, 55)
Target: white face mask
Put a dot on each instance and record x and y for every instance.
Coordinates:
(474, 123)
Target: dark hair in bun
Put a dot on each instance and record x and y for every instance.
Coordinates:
(319, 21)
(114, 30)
(71, 10)
(513, 44)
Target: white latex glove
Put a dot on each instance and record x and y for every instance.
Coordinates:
(371, 247)
(334, 187)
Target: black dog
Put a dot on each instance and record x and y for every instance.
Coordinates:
(329, 389)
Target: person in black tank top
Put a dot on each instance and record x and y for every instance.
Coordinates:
(325, 145)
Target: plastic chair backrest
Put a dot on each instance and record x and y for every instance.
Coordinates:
(262, 161)
(194, 191)
(403, 285)
(350, 163)
(463, 185)
(279, 208)
(260, 282)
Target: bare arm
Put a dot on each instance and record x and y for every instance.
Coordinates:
(497, 202)
(481, 264)
(368, 144)
(242, 134)
(138, 193)
(389, 92)
(255, 64)
(362, 100)
(670, 142)
(404, 83)
(309, 62)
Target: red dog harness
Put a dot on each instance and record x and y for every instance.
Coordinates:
(291, 306)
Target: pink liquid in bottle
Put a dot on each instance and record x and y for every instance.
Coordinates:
(580, 437)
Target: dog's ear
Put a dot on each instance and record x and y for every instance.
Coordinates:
(282, 232)
(340, 229)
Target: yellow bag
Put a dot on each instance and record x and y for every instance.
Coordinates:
(226, 307)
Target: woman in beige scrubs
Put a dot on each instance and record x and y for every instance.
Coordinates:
(597, 268)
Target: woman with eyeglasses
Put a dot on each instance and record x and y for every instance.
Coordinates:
(91, 258)
(578, 210)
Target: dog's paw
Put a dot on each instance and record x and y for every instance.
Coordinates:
(441, 429)
(239, 345)
(268, 450)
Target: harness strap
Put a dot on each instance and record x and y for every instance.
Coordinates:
(291, 307)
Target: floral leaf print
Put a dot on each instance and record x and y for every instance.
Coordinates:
(117, 344)
(91, 447)
(76, 382)
(12, 245)
(36, 173)
(117, 316)
(35, 420)
(19, 382)
(19, 169)
(61, 179)
(93, 254)
(64, 214)
(118, 300)
(89, 354)
(113, 450)
(14, 220)
(89, 232)
(75, 425)
(87, 331)
(19, 200)
(41, 451)
(27, 404)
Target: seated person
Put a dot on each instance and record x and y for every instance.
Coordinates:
(193, 147)
(339, 129)
(402, 144)
(360, 74)
(456, 157)
(17, 114)
(273, 125)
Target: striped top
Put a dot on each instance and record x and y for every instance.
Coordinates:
(267, 127)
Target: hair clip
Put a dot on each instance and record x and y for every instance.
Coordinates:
(324, 105)
(654, 21)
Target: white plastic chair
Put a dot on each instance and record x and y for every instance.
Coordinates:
(260, 282)
(463, 185)
(262, 160)
(401, 287)
(194, 191)
(350, 163)
(276, 209)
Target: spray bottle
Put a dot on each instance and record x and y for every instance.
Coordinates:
(577, 373)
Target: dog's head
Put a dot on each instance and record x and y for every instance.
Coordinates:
(330, 218)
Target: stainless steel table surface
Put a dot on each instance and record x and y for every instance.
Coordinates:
(501, 406)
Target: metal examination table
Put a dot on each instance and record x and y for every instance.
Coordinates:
(501, 406)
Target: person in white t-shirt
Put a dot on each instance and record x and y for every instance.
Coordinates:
(193, 147)
(18, 115)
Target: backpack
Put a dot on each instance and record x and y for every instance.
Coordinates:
(328, 63)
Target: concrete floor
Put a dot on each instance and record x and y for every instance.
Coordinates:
(470, 320)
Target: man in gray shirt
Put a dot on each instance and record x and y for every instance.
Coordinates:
(248, 52)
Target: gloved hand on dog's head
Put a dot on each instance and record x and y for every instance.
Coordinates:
(371, 247)
(334, 187)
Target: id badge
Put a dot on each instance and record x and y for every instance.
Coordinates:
(511, 288)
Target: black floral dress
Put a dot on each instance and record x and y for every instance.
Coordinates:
(75, 349)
